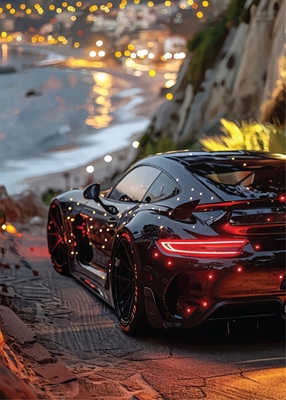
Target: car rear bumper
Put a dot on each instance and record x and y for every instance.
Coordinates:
(188, 291)
(236, 309)
(190, 315)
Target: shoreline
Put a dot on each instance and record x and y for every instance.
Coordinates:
(122, 157)
(130, 120)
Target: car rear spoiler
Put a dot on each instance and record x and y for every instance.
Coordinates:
(183, 211)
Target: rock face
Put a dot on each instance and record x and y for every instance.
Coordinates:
(12, 385)
(244, 80)
(21, 207)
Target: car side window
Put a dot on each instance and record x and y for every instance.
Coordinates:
(162, 188)
(135, 184)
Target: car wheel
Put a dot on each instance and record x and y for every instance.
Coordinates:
(56, 241)
(126, 287)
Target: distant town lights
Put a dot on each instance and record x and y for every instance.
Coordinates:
(168, 56)
(93, 8)
(170, 83)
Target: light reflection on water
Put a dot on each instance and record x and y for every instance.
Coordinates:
(99, 102)
(65, 106)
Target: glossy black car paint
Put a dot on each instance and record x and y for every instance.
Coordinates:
(181, 291)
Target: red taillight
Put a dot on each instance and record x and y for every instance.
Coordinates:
(205, 248)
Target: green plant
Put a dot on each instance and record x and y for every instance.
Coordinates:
(49, 194)
(247, 136)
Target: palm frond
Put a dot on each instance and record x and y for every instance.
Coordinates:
(247, 136)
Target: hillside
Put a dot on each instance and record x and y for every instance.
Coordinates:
(235, 70)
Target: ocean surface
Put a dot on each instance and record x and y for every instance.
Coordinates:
(53, 118)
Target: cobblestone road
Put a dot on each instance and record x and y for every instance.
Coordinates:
(82, 332)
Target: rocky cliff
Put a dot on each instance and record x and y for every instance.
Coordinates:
(236, 69)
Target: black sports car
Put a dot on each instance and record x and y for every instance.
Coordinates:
(182, 238)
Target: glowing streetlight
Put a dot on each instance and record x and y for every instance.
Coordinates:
(135, 144)
(89, 169)
(107, 158)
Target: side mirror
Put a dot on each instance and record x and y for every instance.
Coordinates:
(92, 192)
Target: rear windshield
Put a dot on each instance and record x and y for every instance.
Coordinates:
(242, 180)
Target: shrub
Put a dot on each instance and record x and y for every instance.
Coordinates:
(247, 136)
(49, 194)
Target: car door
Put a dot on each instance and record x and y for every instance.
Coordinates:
(101, 226)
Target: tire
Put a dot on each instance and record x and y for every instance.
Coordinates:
(56, 241)
(127, 290)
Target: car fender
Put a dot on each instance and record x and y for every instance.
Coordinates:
(154, 316)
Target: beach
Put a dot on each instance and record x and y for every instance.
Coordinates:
(56, 120)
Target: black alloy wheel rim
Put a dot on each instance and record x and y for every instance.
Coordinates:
(56, 239)
(123, 281)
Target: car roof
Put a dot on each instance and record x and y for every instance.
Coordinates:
(193, 156)
(189, 157)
